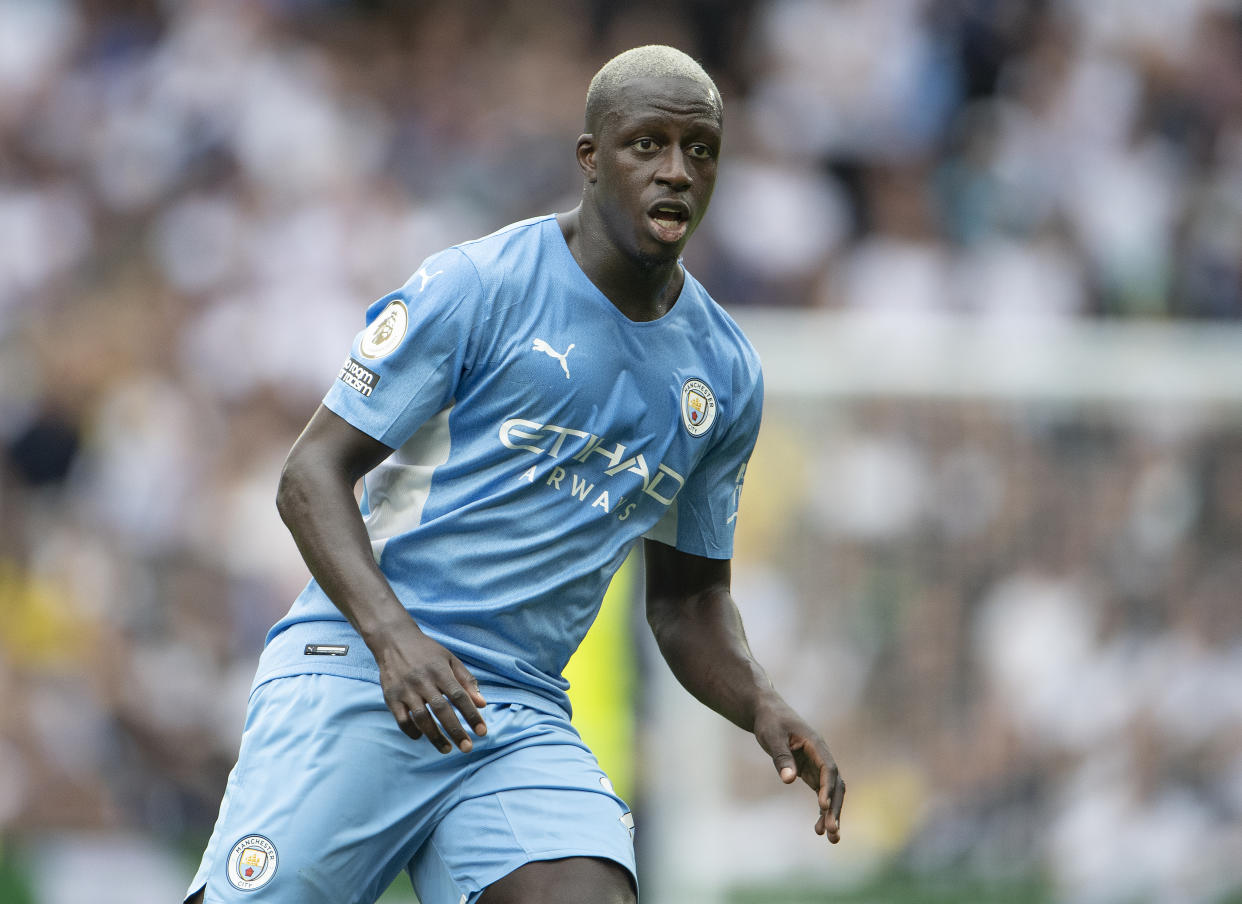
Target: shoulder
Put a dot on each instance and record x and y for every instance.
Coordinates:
(476, 269)
(727, 338)
(509, 250)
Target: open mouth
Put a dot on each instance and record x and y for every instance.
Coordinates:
(671, 219)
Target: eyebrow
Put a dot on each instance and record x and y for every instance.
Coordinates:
(705, 121)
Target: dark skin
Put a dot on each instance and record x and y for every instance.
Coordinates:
(659, 142)
(649, 171)
(699, 630)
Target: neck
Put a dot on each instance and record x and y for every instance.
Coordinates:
(640, 289)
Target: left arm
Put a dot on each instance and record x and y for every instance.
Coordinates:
(699, 631)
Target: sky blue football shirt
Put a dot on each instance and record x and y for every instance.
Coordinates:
(539, 433)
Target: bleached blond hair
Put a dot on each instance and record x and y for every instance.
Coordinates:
(648, 61)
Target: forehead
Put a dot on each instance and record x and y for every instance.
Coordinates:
(674, 98)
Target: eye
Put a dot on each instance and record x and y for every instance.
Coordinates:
(701, 151)
(645, 144)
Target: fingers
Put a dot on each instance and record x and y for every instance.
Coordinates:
(435, 721)
(404, 717)
(831, 799)
(443, 708)
(838, 801)
(799, 752)
(813, 759)
(821, 773)
(430, 710)
(430, 728)
(467, 698)
(800, 757)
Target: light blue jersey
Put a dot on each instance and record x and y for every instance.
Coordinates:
(539, 433)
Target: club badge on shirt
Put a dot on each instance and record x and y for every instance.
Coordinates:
(698, 407)
(252, 863)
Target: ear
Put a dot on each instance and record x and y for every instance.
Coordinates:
(586, 155)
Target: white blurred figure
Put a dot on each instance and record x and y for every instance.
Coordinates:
(108, 869)
(145, 464)
(780, 221)
(902, 270)
(1111, 840)
(35, 38)
(1036, 641)
(1022, 285)
(199, 241)
(47, 231)
(968, 492)
(871, 488)
(826, 90)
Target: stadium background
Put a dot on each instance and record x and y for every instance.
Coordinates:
(991, 251)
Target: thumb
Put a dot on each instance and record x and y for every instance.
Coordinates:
(782, 759)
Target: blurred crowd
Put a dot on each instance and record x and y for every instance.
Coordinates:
(198, 198)
(1020, 627)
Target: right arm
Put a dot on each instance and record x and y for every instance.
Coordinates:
(316, 501)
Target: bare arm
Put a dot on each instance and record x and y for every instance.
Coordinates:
(699, 631)
(316, 502)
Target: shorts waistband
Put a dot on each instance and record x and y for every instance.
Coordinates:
(335, 648)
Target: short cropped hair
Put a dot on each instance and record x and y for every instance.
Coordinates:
(648, 61)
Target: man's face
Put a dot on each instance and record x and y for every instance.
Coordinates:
(652, 163)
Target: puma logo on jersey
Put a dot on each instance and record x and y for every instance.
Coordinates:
(541, 346)
(426, 277)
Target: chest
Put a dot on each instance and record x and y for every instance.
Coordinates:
(574, 383)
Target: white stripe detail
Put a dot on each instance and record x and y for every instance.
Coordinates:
(397, 489)
(665, 530)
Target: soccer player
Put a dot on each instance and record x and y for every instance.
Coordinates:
(521, 412)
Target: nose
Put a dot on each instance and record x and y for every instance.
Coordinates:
(673, 171)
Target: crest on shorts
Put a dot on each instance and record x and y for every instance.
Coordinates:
(386, 331)
(252, 863)
(698, 407)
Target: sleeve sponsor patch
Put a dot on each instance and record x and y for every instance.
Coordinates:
(358, 377)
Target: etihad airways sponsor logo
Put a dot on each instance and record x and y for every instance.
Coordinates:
(661, 482)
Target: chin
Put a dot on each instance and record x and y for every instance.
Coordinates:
(651, 253)
(650, 258)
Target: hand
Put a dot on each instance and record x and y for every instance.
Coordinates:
(797, 751)
(421, 678)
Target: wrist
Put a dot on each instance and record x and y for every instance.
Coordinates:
(380, 634)
(767, 703)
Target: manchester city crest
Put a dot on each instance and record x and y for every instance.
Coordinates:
(698, 407)
(252, 863)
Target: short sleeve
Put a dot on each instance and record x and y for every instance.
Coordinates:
(406, 363)
(704, 513)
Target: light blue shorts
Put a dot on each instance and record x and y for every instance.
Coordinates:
(329, 801)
